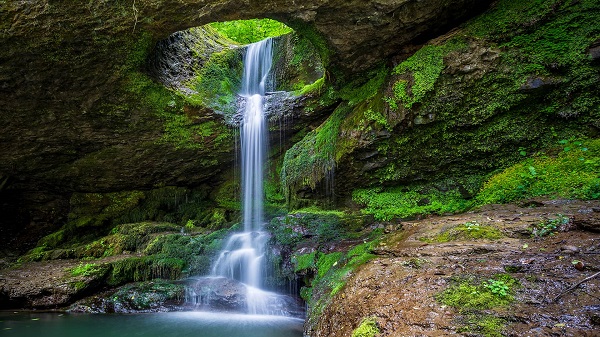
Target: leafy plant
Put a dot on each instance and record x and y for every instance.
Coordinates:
(548, 227)
(497, 287)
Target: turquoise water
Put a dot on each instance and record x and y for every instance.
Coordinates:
(176, 324)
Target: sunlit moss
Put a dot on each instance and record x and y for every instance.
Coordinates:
(367, 328)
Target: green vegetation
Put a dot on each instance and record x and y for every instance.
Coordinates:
(161, 252)
(305, 261)
(471, 297)
(573, 173)
(147, 295)
(215, 85)
(331, 272)
(367, 328)
(420, 72)
(467, 294)
(250, 31)
(468, 231)
(314, 226)
(387, 204)
(87, 269)
(315, 88)
(549, 226)
(482, 324)
(312, 158)
(542, 175)
(135, 269)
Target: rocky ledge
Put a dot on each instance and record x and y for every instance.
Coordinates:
(501, 271)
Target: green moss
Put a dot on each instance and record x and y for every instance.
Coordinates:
(421, 71)
(78, 285)
(571, 173)
(145, 268)
(367, 328)
(87, 269)
(315, 88)
(297, 66)
(313, 158)
(315, 228)
(465, 125)
(386, 204)
(98, 209)
(52, 240)
(468, 231)
(217, 82)
(467, 294)
(332, 271)
(482, 324)
(304, 261)
(319, 211)
(147, 295)
(308, 32)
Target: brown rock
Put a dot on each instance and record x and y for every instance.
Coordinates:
(587, 222)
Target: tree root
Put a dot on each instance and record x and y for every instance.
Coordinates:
(575, 286)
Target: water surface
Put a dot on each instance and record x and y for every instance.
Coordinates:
(179, 324)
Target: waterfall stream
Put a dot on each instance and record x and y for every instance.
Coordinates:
(243, 256)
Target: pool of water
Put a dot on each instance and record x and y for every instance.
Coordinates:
(180, 324)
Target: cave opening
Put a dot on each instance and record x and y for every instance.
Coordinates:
(204, 64)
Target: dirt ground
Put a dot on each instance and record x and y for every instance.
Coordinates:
(399, 287)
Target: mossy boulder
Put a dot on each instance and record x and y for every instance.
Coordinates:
(149, 296)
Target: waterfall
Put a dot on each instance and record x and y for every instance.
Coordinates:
(243, 257)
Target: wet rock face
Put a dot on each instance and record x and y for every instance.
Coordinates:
(219, 293)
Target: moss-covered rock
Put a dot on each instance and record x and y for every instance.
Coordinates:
(150, 296)
(464, 105)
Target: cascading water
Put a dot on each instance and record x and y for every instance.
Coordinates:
(243, 257)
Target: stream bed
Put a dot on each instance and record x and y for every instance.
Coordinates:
(180, 324)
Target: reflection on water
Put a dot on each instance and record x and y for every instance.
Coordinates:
(180, 324)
